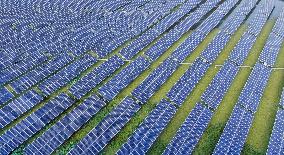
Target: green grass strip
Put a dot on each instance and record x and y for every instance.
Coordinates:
(212, 134)
(262, 126)
(127, 131)
(166, 136)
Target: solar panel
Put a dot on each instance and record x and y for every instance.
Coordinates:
(154, 81)
(146, 38)
(17, 107)
(188, 81)
(147, 132)
(220, 84)
(35, 76)
(235, 132)
(65, 127)
(252, 92)
(165, 42)
(97, 138)
(190, 132)
(23, 130)
(276, 140)
(5, 95)
(124, 78)
(92, 79)
(67, 74)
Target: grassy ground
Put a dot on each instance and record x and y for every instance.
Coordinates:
(161, 93)
(103, 112)
(218, 122)
(259, 134)
(194, 97)
(93, 121)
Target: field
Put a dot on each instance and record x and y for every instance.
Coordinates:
(262, 125)
(259, 134)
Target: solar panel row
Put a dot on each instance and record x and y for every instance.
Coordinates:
(233, 137)
(147, 132)
(235, 132)
(124, 78)
(138, 44)
(153, 82)
(190, 132)
(276, 140)
(92, 79)
(98, 137)
(35, 76)
(17, 107)
(199, 67)
(19, 133)
(64, 76)
(178, 146)
(252, 92)
(65, 127)
(188, 81)
(218, 87)
(5, 95)
(20, 68)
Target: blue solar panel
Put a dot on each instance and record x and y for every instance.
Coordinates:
(21, 67)
(110, 45)
(35, 76)
(138, 44)
(67, 74)
(146, 38)
(252, 92)
(235, 132)
(98, 138)
(189, 45)
(23, 130)
(190, 132)
(17, 107)
(218, 87)
(124, 78)
(188, 81)
(92, 79)
(147, 132)
(242, 49)
(165, 42)
(65, 127)
(276, 140)
(5, 95)
(154, 81)
(215, 47)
